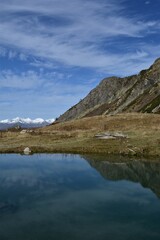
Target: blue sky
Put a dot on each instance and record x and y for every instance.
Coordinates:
(53, 52)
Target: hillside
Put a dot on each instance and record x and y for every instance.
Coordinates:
(142, 133)
(137, 93)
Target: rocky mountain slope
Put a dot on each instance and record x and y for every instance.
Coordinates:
(137, 93)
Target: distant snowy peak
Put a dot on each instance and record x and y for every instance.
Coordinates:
(27, 120)
(24, 123)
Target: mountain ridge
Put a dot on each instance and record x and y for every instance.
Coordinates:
(136, 93)
(24, 123)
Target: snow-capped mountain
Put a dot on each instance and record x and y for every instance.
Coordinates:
(24, 123)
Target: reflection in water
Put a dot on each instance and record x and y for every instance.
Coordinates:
(143, 172)
(62, 197)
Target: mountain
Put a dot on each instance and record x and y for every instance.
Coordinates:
(24, 123)
(137, 93)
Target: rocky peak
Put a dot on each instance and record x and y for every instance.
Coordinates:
(137, 93)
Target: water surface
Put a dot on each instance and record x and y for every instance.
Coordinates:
(72, 197)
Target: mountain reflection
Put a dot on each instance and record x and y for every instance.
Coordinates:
(145, 173)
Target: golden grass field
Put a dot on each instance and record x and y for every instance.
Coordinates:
(78, 136)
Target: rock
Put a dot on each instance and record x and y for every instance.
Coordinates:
(109, 135)
(23, 131)
(27, 151)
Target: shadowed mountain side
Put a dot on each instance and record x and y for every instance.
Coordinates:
(137, 93)
(145, 173)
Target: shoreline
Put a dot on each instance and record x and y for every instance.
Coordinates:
(79, 137)
(115, 158)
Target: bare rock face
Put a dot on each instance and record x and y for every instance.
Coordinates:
(137, 93)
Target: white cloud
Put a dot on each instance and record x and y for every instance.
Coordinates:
(12, 54)
(49, 85)
(54, 35)
(22, 57)
(77, 37)
(43, 64)
(23, 80)
(2, 52)
(38, 94)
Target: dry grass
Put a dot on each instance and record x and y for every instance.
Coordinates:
(77, 136)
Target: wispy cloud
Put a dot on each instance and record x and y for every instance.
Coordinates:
(23, 80)
(45, 94)
(43, 64)
(54, 52)
(2, 52)
(72, 33)
(12, 54)
(22, 57)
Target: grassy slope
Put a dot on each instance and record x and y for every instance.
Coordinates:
(77, 136)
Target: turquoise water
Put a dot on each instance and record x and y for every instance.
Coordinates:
(76, 198)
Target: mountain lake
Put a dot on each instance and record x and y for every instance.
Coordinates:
(73, 197)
